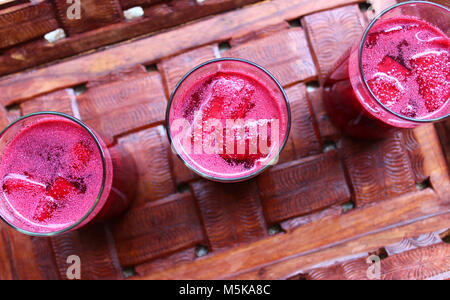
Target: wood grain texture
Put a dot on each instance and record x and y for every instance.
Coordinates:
(220, 28)
(25, 264)
(418, 264)
(304, 132)
(160, 264)
(260, 33)
(434, 163)
(360, 246)
(294, 188)
(155, 19)
(174, 68)
(95, 247)
(231, 214)
(157, 228)
(180, 172)
(149, 151)
(323, 234)
(331, 33)
(415, 154)
(123, 102)
(4, 117)
(332, 211)
(377, 170)
(285, 54)
(6, 269)
(410, 243)
(26, 22)
(61, 101)
(327, 130)
(43, 253)
(93, 14)
(443, 130)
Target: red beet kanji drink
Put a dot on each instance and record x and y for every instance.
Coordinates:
(56, 174)
(398, 76)
(228, 119)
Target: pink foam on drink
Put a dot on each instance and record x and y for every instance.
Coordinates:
(407, 65)
(61, 167)
(230, 95)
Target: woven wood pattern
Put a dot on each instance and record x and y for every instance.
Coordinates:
(330, 203)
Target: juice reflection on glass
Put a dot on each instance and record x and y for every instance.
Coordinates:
(397, 76)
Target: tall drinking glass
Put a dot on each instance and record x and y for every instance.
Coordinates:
(56, 175)
(228, 119)
(396, 76)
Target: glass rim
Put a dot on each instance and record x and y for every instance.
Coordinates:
(361, 48)
(234, 179)
(100, 193)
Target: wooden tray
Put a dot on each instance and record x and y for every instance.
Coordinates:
(330, 202)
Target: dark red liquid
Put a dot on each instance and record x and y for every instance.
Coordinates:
(54, 177)
(406, 65)
(51, 174)
(223, 96)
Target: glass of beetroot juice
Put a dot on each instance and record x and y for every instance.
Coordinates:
(56, 174)
(228, 119)
(397, 76)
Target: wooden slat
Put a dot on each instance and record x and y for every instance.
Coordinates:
(93, 14)
(328, 232)
(123, 102)
(8, 3)
(260, 33)
(157, 228)
(363, 244)
(443, 130)
(149, 151)
(6, 269)
(304, 132)
(223, 27)
(377, 170)
(46, 263)
(174, 68)
(231, 214)
(94, 246)
(417, 264)
(61, 101)
(285, 54)
(165, 262)
(25, 257)
(125, 4)
(331, 33)
(294, 188)
(26, 22)
(290, 224)
(155, 19)
(180, 173)
(327, 130)
(415, 154)
(434, 164)
(410, 243)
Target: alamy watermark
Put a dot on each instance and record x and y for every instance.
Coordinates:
(374, 270)
(74, 269)
(74, 10)
(230, 137)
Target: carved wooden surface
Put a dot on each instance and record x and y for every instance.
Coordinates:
(330, 202)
